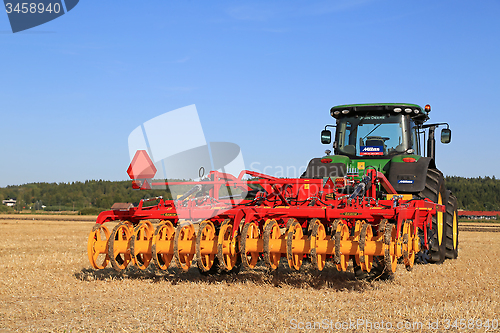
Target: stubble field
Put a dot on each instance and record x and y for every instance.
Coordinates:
(47, 285)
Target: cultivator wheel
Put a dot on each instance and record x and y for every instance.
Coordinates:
(365, 261)
(377, 265)
(140, 244)
(227, 248)
(118, 245)
(295, 245)
(410, 244)
(341, 234)
(183, 239)
(97, 246)
(248, 241)
(272, 254)
(318, 234)
(204, 242)
(390, 250)
(355, 237)
(162, 245)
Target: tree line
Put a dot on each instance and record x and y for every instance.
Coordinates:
(477, 194)
(90, 196)
(481, 194)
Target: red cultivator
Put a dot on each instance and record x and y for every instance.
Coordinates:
(270, 218)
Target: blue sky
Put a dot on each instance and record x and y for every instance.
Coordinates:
(262, 74)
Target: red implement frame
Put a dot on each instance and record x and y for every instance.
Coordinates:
(279, 199)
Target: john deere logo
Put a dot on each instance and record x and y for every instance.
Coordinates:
(27, 14)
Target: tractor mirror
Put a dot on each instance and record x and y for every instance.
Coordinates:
(445, 135)
(326, 137)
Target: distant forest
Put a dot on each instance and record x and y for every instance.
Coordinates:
(482, 193)
(96, 195)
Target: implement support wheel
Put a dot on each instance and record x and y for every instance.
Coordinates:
(118, 245)
(366, 234)
(97, 248)
(318, 233)
(227, 249)
(390, 260)
(184, 232)
(249, 259)
(205, 233)
(294, 233)
(271, 256)
(162, 257)
(409, 243)
(341, 233)
(142, 236)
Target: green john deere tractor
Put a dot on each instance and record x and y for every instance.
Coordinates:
(391, 139)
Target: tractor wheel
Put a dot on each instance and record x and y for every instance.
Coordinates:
(451, 218)
(436, 238)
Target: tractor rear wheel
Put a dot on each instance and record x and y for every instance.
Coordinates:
(436, 237)
(451, 218)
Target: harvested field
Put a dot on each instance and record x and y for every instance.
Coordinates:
(40, 217)
(47, 285)
(484, 227)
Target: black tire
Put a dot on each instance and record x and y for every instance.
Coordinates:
(452, 226)
(436, 238)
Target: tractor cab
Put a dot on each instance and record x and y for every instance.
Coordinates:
(374, 136)
(376, 130)
(380, 131)
(387, 137)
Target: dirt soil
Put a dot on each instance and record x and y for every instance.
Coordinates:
(47, 285)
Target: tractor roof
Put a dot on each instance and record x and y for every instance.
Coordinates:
(415, 111)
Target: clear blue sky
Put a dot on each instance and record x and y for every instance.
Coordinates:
(263, 74)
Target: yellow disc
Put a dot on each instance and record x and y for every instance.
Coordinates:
(390, 251)
(183, 243)
(409, 250)
(118, 246)
(294, 234)
(248, 245)
(272, 255)
(205, 233)
(140, 244)
(341, 234)
(318, 234)
(227, 251)
(366, 235)
(162, 246)
(97, 246)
